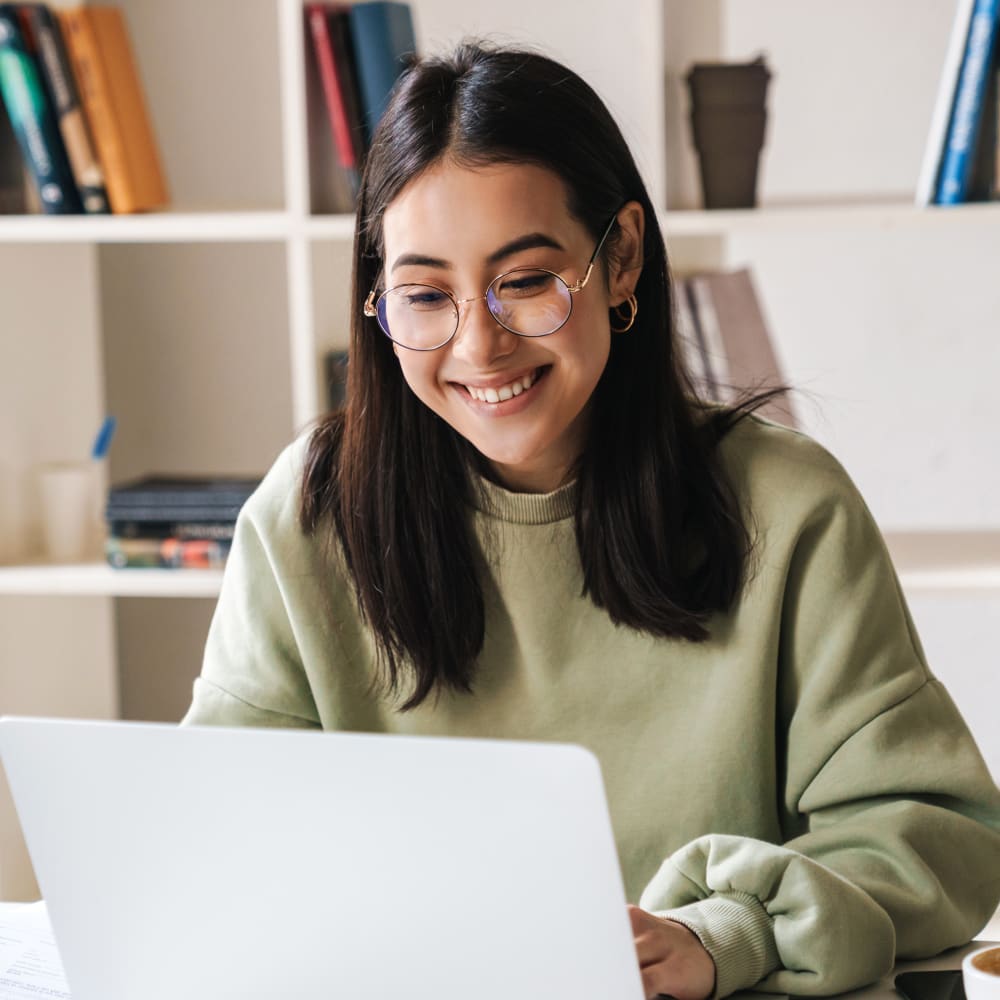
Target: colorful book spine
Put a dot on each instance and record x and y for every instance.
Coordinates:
(319, 17)
(99, 49)
(339, 20)
(166, 553)
(956, 165)
(33, 120)
(383, 39)
(930, 168)
(53, 60)
(193, 530)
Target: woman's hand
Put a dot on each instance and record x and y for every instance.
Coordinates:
(672, 959)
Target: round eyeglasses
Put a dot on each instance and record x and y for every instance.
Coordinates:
(528, 301)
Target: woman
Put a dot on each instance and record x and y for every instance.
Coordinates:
(526, 526)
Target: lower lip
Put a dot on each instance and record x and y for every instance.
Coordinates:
(508, 407)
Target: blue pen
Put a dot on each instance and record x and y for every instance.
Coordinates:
(102, 443)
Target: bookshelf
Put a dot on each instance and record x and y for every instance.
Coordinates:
(203, 328)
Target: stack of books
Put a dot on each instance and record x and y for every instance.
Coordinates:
(174, 523)
(75, 134)
(961, 158)
(726, 341)
(354, 57)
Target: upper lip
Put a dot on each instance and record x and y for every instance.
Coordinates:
(495, 381)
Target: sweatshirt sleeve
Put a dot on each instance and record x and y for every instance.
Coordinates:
(252, 674)
(891, 818)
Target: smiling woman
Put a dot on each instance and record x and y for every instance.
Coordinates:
(515, 370)
(526, 525)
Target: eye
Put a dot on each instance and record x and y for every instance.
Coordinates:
(525, 284)
(423, 298)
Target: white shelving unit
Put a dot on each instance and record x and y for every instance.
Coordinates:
(203, 328)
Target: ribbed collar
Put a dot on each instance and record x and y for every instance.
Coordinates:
(526, 508)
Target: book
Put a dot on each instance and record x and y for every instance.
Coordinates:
(220, 530)
(326, 25)
(32, 118)
(179, 499)
(738, 346)
(931, 166)
(339, 20)
(956, 163)
(166, 553)
(98, 44)
(383, 40)
(331, 187)
(60, 85)
(982, 182)
(13, 193)
(995, 187)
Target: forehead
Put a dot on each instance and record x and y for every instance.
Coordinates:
(462, 213)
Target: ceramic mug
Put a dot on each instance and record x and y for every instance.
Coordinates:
(981, 974)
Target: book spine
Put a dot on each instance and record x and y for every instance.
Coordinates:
(92, 79)
(956, 167)
(345, 63)
(32, 119)
(383, 37)
(99, 50)
(166, 553)
(184, 514)
(214, 530)
(336, 106)
(984, 164)
(13, 195)
(930, 167)
(61, 85)
(995, 187)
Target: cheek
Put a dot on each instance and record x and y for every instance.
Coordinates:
(419, 371)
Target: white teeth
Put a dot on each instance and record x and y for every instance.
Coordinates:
(504, 392)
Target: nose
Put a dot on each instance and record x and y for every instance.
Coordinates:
(480, 340)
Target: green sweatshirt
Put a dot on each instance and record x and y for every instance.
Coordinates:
(799, 790)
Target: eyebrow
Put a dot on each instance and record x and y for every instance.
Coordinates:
(529, 241)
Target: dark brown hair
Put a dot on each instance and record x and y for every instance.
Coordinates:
(662, 540)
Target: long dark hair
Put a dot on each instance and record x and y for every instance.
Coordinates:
(662, 540)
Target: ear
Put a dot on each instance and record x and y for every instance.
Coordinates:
(626, 265)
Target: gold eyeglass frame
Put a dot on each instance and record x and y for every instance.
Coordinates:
(371, 304)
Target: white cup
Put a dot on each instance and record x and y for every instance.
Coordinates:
(981, 974)
(70, 504)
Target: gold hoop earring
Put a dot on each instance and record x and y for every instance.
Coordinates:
(633, 306)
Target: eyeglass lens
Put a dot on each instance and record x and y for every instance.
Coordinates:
(528, 302)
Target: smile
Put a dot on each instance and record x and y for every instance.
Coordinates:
(501, 393)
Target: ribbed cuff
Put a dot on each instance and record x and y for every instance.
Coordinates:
(737, 932)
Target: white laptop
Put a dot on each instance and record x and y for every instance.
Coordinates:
(211, 863)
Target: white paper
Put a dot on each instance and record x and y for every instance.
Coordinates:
(30, 967)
